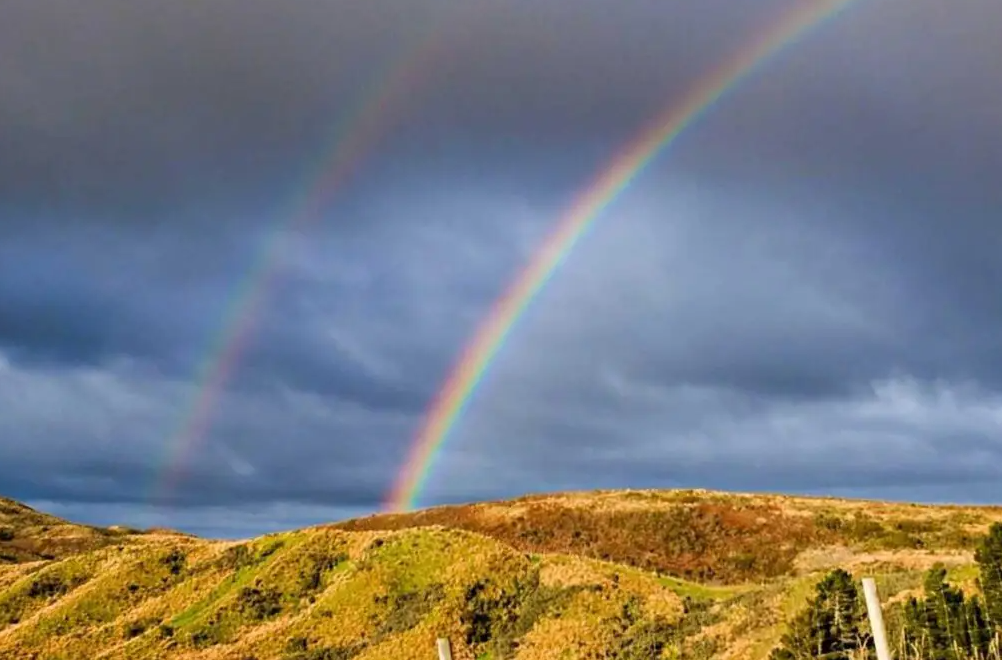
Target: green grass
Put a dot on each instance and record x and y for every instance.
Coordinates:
(229, 585)
(702, 592)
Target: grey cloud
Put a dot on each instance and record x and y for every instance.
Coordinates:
(103, 436)
(231, 106)
(123, 107)
(669, 341)
(830, 224)
(900, 437)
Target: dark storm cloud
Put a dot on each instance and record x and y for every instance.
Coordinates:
(771, 305)
(169, 305)
(126, 106)
(891, 96)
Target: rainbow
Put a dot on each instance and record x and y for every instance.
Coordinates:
(353, 137)
(475, 359)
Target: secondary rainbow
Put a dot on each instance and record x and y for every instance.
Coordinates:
(477, 356)
(368, 119)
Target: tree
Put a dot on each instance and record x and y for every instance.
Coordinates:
(943, 615)
(989, 557)
(945, 625)
(832, 626)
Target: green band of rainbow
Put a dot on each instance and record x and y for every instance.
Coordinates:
(476, 358)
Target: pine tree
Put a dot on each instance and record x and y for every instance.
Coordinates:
(831, 626)
(945, 625)
(916, 641)
(989, 558)
(979, 630)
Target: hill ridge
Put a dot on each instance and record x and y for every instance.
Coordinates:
(598, 573)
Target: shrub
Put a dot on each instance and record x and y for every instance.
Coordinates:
(498, 616)
(47, 586)
(318, 563)
(645, 640)
(174, 561)
(829, 521)
(408, 609)
(135, 629)
(864, 528)
(259, 604)
(236, 557)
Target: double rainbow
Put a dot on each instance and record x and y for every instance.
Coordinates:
(476, 358)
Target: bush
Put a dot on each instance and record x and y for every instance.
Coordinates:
(259, 604)
(135, 629)
(318, 563)
(47, 586)
(864, 528)
(498, 616)
(408, 609)
(174, 561)
(236, 557)
(829, 521)
(645, 640)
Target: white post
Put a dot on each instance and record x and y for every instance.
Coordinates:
(876, 619)
(444, 649)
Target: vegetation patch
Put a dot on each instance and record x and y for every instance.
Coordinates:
(708, 540)
(35, 591)
(406, 610)
(497, 616)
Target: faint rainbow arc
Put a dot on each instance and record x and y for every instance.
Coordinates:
(354, 136)
(477, 356)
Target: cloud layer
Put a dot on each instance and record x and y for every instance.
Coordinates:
(800, 295)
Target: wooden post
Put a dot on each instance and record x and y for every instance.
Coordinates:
(444, 649)
(876, 619)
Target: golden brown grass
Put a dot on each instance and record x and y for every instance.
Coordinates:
(574, 575)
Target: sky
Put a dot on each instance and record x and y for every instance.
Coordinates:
(800, 295)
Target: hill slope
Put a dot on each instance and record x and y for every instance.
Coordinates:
(29, 535)
(599, 575)
(708, 536)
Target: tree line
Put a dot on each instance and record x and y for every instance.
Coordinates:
(944, 624)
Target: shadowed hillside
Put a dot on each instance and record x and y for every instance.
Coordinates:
(602, 575)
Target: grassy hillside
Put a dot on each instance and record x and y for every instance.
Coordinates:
(601, 575)
(28, 535)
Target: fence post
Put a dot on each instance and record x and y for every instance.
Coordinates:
(444, 649)
(876, 619)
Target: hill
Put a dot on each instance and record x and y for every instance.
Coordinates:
(586, 575)
(29, 535)
(708, 536)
